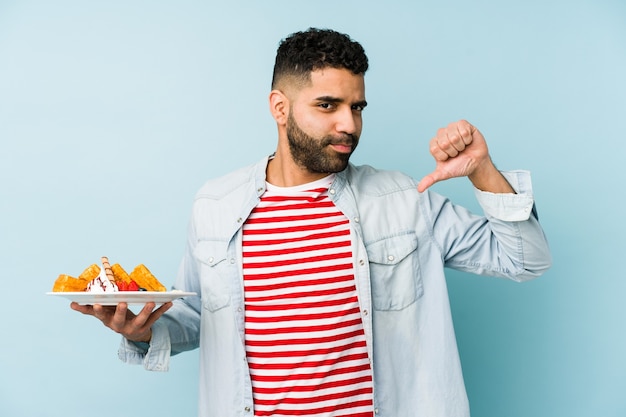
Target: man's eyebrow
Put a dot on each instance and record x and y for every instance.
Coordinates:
(331, 99)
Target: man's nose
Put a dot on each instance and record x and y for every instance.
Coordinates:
(347, 122)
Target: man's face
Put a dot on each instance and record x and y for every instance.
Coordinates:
(324, 124)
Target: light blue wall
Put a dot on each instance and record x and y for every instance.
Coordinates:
(112, 114)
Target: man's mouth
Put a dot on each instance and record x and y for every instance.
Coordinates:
(341, 147)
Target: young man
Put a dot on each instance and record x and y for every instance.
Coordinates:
(321, 284)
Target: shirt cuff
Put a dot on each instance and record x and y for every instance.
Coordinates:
(155, 356)
(509, 207)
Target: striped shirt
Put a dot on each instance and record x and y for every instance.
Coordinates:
(303, 331)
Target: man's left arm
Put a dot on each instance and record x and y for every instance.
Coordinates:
(513, 233)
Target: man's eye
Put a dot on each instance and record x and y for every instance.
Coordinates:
(358, 107)
(326, 105)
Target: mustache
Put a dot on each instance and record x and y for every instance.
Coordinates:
(346, 140)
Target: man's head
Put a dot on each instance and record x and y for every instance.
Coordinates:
(314, 49)
(318, 94)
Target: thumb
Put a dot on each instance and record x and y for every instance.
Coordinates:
(427, 181)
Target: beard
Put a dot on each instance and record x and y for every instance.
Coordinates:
(314, 154)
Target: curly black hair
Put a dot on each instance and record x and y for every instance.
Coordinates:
(313, 49)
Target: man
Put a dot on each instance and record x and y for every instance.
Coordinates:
(321, 284)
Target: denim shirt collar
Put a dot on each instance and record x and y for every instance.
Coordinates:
(260, 177)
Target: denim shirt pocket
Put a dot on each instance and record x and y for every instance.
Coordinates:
(212, 256)
(394, 272)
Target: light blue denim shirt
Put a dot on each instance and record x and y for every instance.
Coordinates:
(401, 242)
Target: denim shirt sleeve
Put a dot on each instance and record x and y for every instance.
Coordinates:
(509, 207)
(155, 356)
(506, 242)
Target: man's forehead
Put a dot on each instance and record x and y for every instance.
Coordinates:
(336, 82)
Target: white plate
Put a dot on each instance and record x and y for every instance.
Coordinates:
(130, 297)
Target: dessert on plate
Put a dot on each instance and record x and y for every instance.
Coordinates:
(107, 278)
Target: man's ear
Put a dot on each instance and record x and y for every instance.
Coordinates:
(279, 106)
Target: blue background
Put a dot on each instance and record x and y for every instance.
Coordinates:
(112, 114)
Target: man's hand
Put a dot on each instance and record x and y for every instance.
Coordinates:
(460, 150)
(134, 327)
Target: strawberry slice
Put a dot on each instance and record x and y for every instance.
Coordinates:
(133, 286)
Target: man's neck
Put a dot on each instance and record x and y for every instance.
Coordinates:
(284, 172)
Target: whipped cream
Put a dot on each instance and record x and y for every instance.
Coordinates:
(102, 283)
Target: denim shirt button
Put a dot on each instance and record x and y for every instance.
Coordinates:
(356, 220)
(390, 258)
(247, 409)
(361, 262)
(331, 191)
(365, 312)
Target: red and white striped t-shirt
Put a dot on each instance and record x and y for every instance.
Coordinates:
(303, 330)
